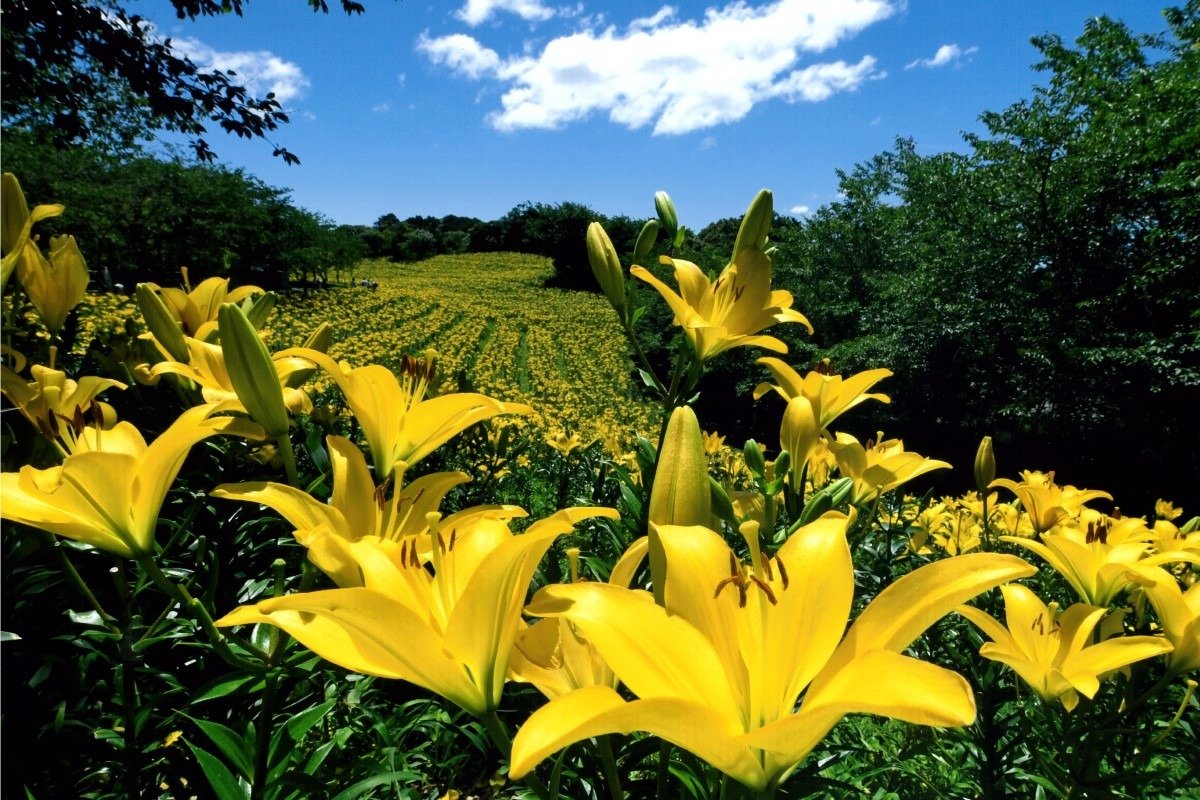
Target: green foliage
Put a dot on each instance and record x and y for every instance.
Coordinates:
(141, 219)
(1036, 288)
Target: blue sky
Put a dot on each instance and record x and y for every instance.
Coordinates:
(473, 106)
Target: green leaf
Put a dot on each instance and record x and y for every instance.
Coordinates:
(363, 786)
(225, 786)
(231, 745)
(301, 723)
(227, 686)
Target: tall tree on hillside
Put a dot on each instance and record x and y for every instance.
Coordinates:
(89, 71)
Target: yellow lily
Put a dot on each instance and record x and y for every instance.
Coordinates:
(1045, 501)
(830, 395)
(16, 224)
(720, 669)
(207, 368)
(108, 493)
(1051, 652)
(449, 629)
(52, 399)
(196, 309)
(398, 421)
(731, 311)
(356, 510)
(555, 657)
(1104, 560)
(565, 443)
(1179, 614)
(55, 286)
(877, 469)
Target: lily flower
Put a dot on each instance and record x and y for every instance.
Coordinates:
(445, 620)
(16, 224)
(398, 421)
(55, 286)
(720, 669)
(108, 493)
(730, 312)
(830, 395)
(1179, 614)
(1103, 560)
(879, 468)
(1045, 501)
(1051, 652)
(56, 405)
(357, 509)
(555, 657)
(196, 309)
(208, 369)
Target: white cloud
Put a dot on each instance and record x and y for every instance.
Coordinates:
(707, 143)
(478, 11)
(260, 71)
(380, 108)
(460, 53)
(675, 75)
(798, 211)
(946, 54)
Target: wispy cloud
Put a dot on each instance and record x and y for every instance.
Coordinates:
(675, 75)
(460, 53)
(946, 54)
(798, 211)
(260, 71)
(381, 108)
(475, 12)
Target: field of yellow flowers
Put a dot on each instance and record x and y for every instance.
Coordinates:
(495, 327)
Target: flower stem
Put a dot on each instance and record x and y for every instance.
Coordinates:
(611, 775)
(500, 738)
(77, 581)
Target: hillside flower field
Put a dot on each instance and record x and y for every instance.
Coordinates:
(446, 533)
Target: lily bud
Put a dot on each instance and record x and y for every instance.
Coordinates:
(722, 506)
(251, 371)
(799, 433)
(606, 266)
(162, 323)
(754, 458)
(259, 309)
(681, 493)
(829, 498)
(985, 465)
(666, 212)
(756, 224)
(646, 239)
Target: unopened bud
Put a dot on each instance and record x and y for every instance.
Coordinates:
(754, 458)
(251, 371)
(756, 224)
(646, 239)
(666, 212)
(162, 324)
(606, 266)
(985, 465)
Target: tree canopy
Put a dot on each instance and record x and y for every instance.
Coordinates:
(89, 71)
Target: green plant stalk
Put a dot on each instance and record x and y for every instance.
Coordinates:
(664, 768)
(500, 738)
(219, 640)
(611, 775)
(262, 735)
(81, 586)
(289, 460)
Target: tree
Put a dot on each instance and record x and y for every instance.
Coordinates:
(88, 71)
